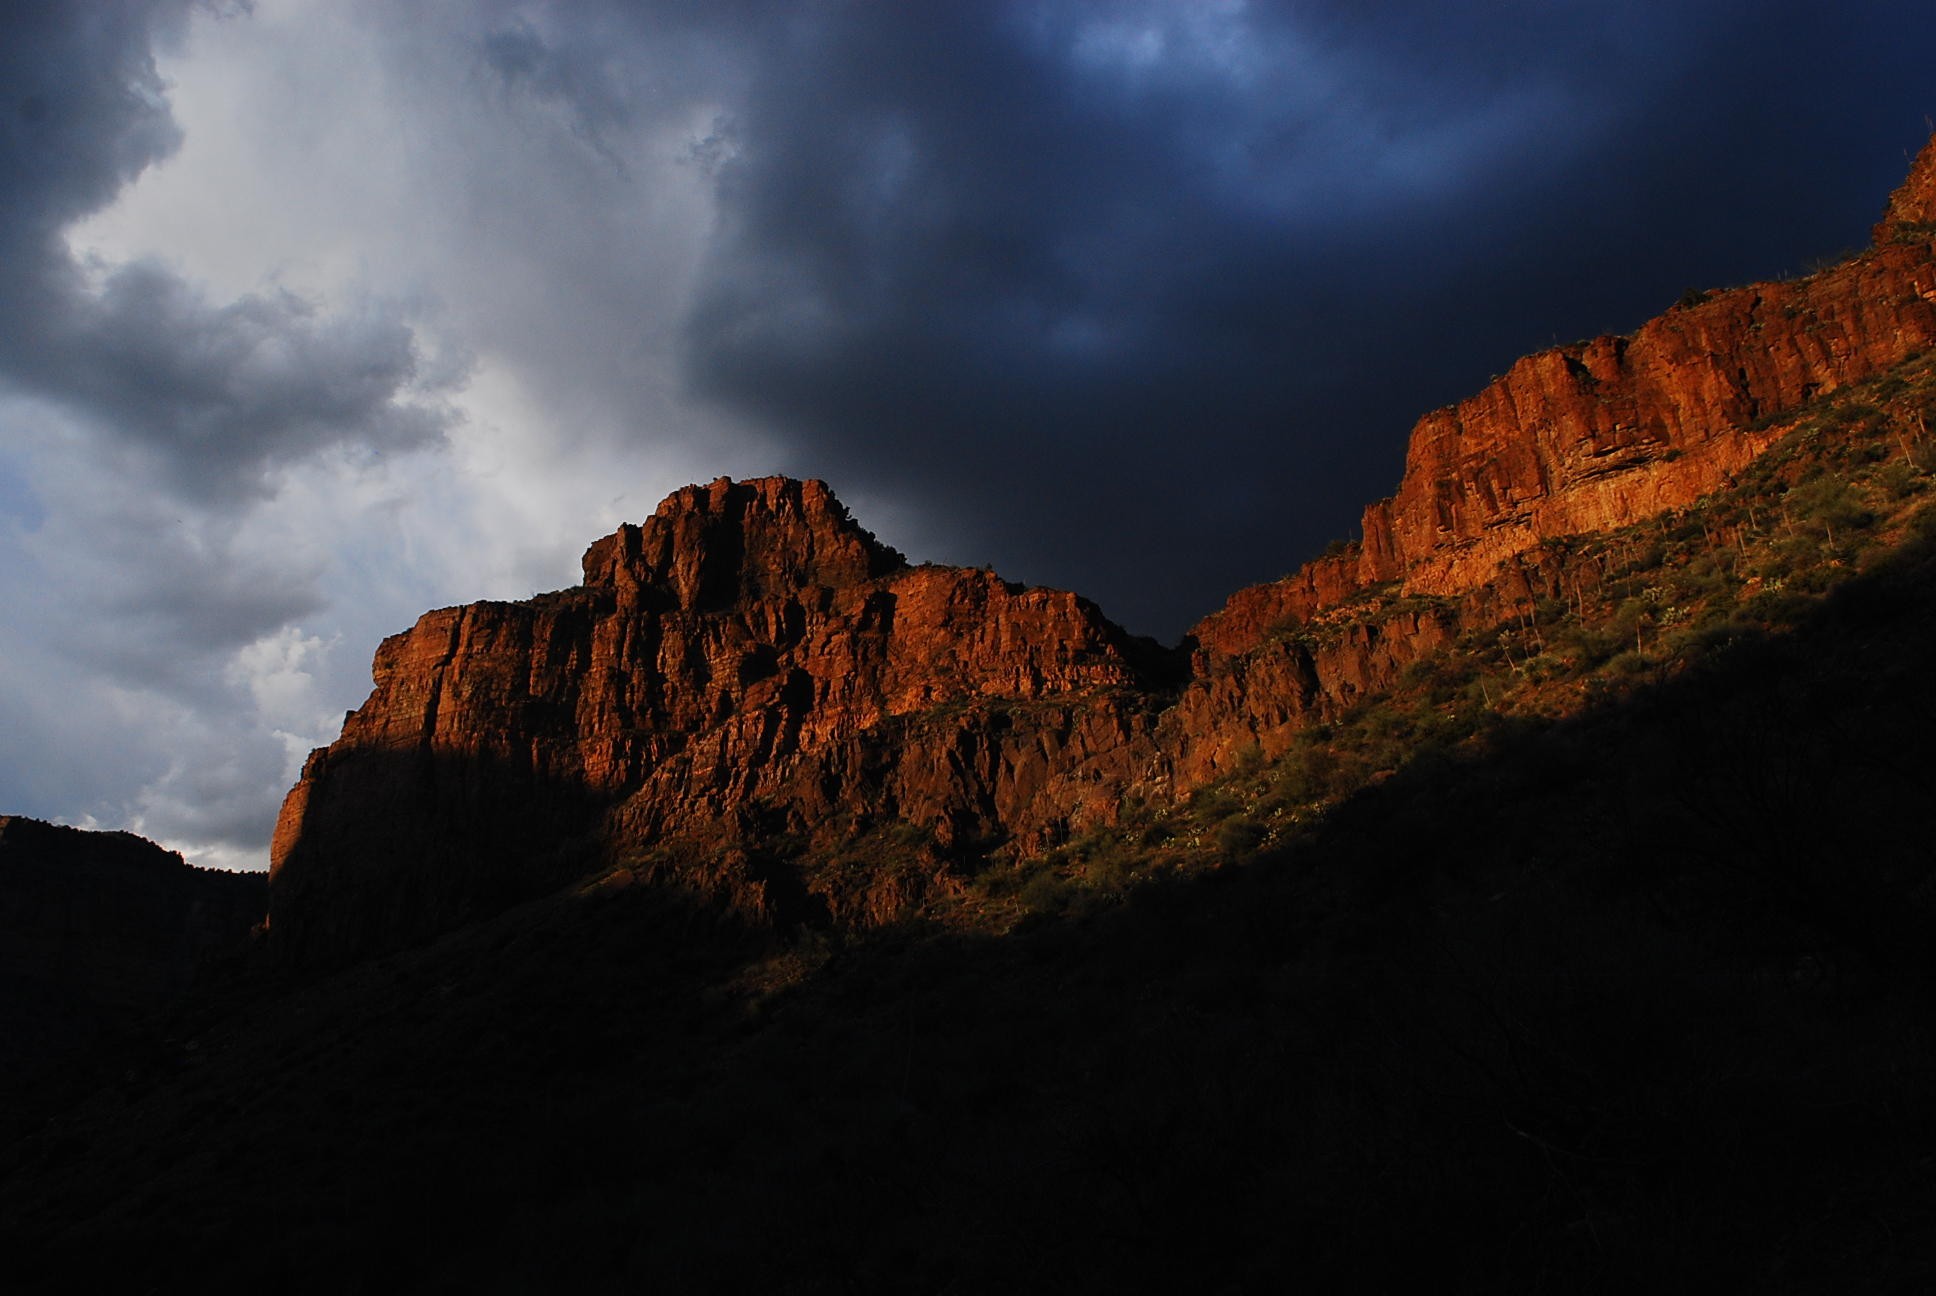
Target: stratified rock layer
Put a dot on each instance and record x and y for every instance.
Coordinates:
(749, 684)
(1911, 213)
(1587, 437)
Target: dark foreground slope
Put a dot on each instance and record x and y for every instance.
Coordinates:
(1642, 991)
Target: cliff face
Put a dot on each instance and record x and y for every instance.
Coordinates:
(748, 662)
(749, 684)
(1600, 434)
(1588, 437)
(1912, 207)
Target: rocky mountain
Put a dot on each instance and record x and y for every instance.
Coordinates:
(749, 684)
(748, 663)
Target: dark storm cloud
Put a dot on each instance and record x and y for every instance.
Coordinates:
(82, 111)
(209, 397)
(590, 90)
(217, 395)
(1144, 298)
(173, 603)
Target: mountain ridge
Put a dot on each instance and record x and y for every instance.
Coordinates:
(1593, 435)
(1556, 1013)
(749, 684)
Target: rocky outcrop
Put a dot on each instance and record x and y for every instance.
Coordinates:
(747, 664)
(1598, 435)
(1911, 214)
(1593, 436)
(749, 688)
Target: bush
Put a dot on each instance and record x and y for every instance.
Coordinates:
(1899, 479)
(1306, 774)
(1631, 663)
(1240, 837)
(1552, 611)
(1215, 803)
(1828, 504)
(1045, 894)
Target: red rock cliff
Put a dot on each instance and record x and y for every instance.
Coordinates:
(748, 662)
(751, 666)
(1598, 435)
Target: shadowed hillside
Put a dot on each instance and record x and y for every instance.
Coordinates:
(98, 931)
(1532, 895)
(1642, 989)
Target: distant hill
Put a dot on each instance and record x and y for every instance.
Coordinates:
(99, 930)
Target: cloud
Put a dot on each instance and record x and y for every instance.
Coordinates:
(589, 91)
(213, 397)
(84, 111)
(146, 423)
(217, 397)
(1048, 266)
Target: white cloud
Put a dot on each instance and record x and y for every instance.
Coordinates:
(344, 167)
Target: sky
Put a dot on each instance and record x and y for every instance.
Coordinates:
(317, 314)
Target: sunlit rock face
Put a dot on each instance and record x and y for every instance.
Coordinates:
(1600, 434)
(748, 687)
(1913, 205)
(746, 665)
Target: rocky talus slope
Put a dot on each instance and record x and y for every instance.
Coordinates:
(749, 693)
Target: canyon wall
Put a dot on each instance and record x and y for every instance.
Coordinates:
(1597, 435)
(1592, 436)
(749, 686)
